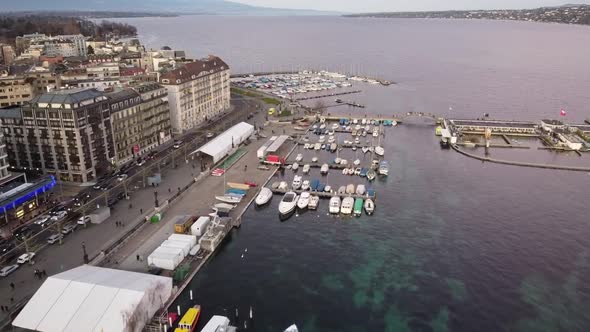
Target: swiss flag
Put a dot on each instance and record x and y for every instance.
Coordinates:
(562, 112)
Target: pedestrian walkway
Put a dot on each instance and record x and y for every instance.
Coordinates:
(232, 159)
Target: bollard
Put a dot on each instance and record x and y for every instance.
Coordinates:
(178, 309)
(191, 294)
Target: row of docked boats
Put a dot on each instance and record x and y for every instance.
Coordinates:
(330, 146)
(350, 205)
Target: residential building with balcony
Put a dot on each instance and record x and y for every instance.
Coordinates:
(15, 90)
(197, 92)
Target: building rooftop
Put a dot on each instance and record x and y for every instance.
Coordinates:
(11, 112)
(70, 96)
(122, 94)
(192, 70)
(552, 122)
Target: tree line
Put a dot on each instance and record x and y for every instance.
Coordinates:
(11, 27)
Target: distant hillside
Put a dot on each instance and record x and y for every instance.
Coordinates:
(569, 14)
(212, 7)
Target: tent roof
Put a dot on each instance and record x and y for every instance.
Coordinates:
(220, 143)
(86, 298)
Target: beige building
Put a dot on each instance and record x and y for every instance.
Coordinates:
(7, 54)
(197, 92)
(15, 91)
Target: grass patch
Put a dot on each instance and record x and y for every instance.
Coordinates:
(253, 94)
(271, 101)
(285, 113)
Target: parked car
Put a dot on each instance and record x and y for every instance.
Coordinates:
(112, 201)
(42, 220)
(59, 215)
(6, 247)
(177, 144)
(54, 238)
(210, 135)
(122, 195)
(8, 270)
(26, 257)
(97, 187)
(122, 177)
(140, 162)
(83, 220)
(67, 229)
(22, 232)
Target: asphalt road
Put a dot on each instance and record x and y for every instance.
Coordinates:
(60, 257)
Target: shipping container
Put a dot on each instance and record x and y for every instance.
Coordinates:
(162, 261)
(184, 237)
(200, 226)
(182, 224)
(184, 246)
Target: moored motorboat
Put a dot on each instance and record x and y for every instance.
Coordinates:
(350, 189)
(288, 203)
(303, 200)
(365, 149)
(189, 321)
(292, 328)
(314, 184)
(356, 162)
(305, 185)
(314, 159)
(357, 171)
(384, 168)
(314, 201)
(325, 168)
(360, 189)
(334, 204)
(229, 199)
(380, 151)
(371, 174)
(283, 185)
(295, 166)
(263, 197)
(299, 157)
(317, 146)
(345, 171)
(275, 185)
(347, 205)
(358, 207)
(369, 206)
(306, 168)
(338, 160)
(297, 181)
(364, 172)
(342, 190)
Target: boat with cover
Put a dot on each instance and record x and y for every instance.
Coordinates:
(384, 168)
(325, 168)
(358, 207)
(299, 157)
(306, 169)
(356, 162)
(342, 190)
(297, 181)
(288, 203)
(295, 166)
(334, 205)
(350, 189)
(369, 206)
(360, 189)
(371, 175)
(317, 146)
(347, 205)
(283, 185)
(305, 185)
(380, 151)
(333, 147)
(230, 199)
(263, 197)
(303, 200)
(314, 201)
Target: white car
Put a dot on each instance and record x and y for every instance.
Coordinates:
(122, 177)
(83, 220)
(8, 270)
(25, 257)
(54, 238)
(42, 220)
(210, 135)
(67, 229)
(59, 215)
(177, 144)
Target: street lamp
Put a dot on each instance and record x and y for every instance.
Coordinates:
(85, 254)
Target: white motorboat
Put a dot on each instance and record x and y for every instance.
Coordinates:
(365, 149)
(375, 132)
(357, 140)
(306, 146)
(384, 168)
(283, 185)
(229, 199)
(354, 148)
(292, 328)
(369, 206)
(325, 168)
(360, 189)
(371, 174)
(357, 171)
(355, 121)
(379, 151)
(333, 147)
(323, 126)
(327, 188)
(295, 166)
(288, 203)
(334, 204)
(337, 160)
(314, 201)
(303, 200)
(314, 159)
(335, 126)
(330, 133)
(349, 189)
(347, 205)
(394, 123)
(364, 133)
(343, 162)
(322, 139)
(351, 171)
(368, 127)
(224, 206)
(264, 196)
(317, 146)
(305, 185)
(345, 171)
(296, 182)
(331, 140)
(306, 168)
(364, 122)
(299, 158)
(357, 127)
(357, 162)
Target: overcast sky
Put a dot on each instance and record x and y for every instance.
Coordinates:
(405, 5)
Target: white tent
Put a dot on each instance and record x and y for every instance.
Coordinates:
(90, 298)
(185, 246)
(220, 146)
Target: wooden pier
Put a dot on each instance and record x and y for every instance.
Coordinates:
(322, 194)
(328, 95)
(351, 103)
(319, 165)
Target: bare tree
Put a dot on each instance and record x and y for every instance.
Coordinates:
(319, 107)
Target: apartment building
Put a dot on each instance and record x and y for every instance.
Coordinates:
(4, 173)
(65, 133)
(197, 92)
(140, 119)
(7, 54)
(15, 91)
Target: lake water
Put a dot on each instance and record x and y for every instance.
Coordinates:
(455, 244)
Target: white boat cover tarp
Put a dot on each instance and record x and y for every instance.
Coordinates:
(90, 298)
(220, 146)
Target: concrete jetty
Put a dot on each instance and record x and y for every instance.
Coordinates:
(321, 194)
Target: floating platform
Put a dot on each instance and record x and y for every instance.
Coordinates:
(328, 95)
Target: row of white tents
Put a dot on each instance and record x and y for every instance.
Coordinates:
(172, 251)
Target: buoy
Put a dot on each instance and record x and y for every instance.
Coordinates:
(246, 250)
(251, 315)
(242, 255)
(237, 313)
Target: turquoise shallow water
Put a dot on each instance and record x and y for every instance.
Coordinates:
(455, 244)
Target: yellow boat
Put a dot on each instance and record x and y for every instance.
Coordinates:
(438, 131)
(235, 185)
(189, 320)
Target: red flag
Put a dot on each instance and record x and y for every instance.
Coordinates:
(562, 112)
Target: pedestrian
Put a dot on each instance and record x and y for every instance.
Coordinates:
(12, 285)
(43, 273)
(168, 189)
(12, 300)
(2, 307)
(245, 168)
(140, 211)
(137, 257)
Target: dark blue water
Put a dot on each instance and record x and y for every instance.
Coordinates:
(455, 244)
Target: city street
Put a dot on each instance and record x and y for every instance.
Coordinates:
(56, 258)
